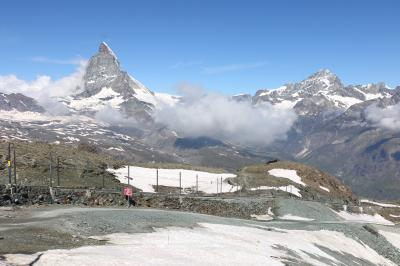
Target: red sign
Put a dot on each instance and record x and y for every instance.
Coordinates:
(128, 191)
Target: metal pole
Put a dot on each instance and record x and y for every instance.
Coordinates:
(15, 168)
(129, 176)
(197, 184)
(221, 186)
(180, 183)
(217, 187)
(157, 180)
(58, 171)
(241, 187)
(51, 169)
(9, 163)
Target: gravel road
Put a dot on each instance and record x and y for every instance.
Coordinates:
(30, 230)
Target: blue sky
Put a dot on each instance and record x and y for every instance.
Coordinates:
(227, 46)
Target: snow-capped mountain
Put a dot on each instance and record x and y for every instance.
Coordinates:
(321, 93)
(19, 102)
(106, 85)
(331, 131)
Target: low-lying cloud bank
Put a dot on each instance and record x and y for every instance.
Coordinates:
(219, 116)
(198, 114)
(44, 89)
(387, 118)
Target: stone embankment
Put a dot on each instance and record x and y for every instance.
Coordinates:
(241, 207)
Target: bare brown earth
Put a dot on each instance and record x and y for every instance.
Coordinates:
(257, 175)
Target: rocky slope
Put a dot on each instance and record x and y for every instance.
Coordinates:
(19, 102)
(105, 85)
(296, 179)
(333, 131)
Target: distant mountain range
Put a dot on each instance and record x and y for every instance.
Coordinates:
(332, 130)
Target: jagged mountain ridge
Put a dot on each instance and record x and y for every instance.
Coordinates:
(324, 89)
(111, 91)
(19, 102)
(331, 125)
(332, 132)
(106, 85)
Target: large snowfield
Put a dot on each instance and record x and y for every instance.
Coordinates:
(146, 179)
(214, 244)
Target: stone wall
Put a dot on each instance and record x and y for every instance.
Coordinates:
(227, 207)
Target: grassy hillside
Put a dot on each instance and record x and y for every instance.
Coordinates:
(81, 165)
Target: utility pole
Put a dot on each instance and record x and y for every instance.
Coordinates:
(241, 187)
(15, 167)
(51, 169)
(197, 184)
(157, 180)
(129, 177)
(9, 163)
(58, 171)
(180, 183)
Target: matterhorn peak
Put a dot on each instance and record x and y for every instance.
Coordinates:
(105, 49)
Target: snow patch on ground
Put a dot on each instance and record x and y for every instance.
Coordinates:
(324, 188)
(391, 237)
(264, 217)
(222, 244)
(363, 218)
(294, 218)
(380, 204)
(289, 189)
(116, 149)
(146, 178)
(289, 174)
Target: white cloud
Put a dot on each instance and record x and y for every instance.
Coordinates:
(218, 116)
(388, 118)
(73, 61)
(233, 67)
(186, 64)
(44, 89)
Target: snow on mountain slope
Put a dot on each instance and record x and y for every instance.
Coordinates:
(289, 174)
(289, 189)
(19, 102)
(96, 102)
(106, 85)
(385, 205)
(323, 89)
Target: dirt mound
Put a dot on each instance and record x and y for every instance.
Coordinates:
(316, 182)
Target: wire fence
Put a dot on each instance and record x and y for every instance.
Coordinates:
(57, 170)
